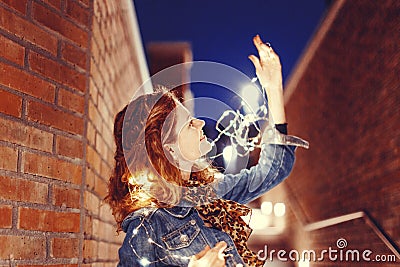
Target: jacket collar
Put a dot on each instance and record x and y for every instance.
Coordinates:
(179, 212)
(143, 212)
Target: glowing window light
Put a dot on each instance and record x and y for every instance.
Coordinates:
(267, 207)
(279, 209)
(258, 221)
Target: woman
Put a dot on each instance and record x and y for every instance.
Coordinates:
(174, 208)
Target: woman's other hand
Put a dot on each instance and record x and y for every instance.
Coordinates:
(209, 257)
(269, 73)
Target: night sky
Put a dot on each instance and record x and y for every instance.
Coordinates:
(222, 31)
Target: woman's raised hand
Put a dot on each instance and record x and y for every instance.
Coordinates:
(269, 72)
(268, 66)
(209, 257)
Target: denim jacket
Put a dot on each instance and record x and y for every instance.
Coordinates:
(179, 232)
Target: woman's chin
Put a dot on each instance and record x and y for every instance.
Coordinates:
(205, 147)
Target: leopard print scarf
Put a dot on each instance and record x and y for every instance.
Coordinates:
(225, 215)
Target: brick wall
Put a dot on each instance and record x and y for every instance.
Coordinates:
(66, 67)
(346, 103)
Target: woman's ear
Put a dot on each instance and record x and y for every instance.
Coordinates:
(171, 152)
(169, 148)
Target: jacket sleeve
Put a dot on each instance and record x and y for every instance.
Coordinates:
(274, 165)
(136, 249)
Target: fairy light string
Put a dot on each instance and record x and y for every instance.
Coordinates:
(144, 261)
(239, 126)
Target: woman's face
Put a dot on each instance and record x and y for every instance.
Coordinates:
(192, 142)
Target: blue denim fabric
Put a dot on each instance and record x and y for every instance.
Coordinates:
(181, 232)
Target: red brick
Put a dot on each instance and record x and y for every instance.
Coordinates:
(95, 116)
(57, 72)
(19, 5)
(93, 158)
(23, 190)
(101, 146)
(85, 2)
(54, 117)
(94, 92)
(26, 83)
(88, 231)
(22, 247)
(90, 178)
(101, 186)
(97, 46)
(21, 134)
(10, 104)
(27, 31)
(48, 221)
(49, 265)
(90, 248)
(54, 3)
(51, 167)
(11, 50)
(69, 147)
(107, 251)
(92, 202)
(106, 214)
(352, 95)
(91, 134)
(64, 196)
(71, 101)
(78, 13)
(73, 55)
(65, 248)
(9, 158)
(6, 216)
(56, 23)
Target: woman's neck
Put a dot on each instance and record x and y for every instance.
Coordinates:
(186, 169)
(185, 175)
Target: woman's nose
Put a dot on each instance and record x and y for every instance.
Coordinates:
(199, 123)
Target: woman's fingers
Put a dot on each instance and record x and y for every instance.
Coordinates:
(210, 257)
(256, 62)
(264, 51)
(257, 42)
(260, 45)
(202, 253)
(220, 247)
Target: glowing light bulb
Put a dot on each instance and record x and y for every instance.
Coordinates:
(227, 153)
(250, 95)
(144, 262)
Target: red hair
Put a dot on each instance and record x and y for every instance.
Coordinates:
(139, 151)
